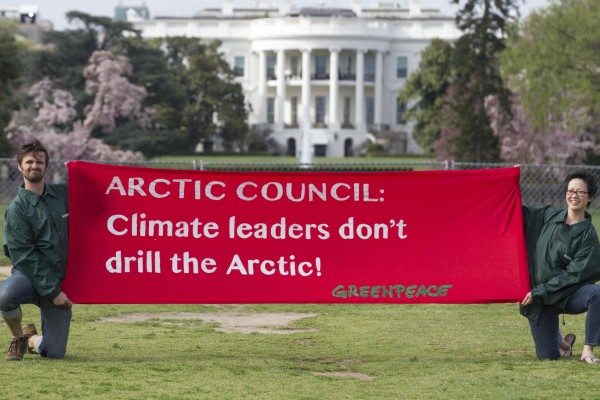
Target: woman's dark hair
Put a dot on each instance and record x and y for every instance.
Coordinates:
(587, 177)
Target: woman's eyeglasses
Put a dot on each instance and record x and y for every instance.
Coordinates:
(579, 193)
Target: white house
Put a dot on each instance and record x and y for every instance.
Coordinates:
(321, 78)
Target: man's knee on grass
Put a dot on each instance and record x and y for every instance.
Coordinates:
(47, 350)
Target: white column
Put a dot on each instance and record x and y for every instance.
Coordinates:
(306, 146)
(280, 90)
(261, 113)
(334, 92)
(359, 112)
(378, 87)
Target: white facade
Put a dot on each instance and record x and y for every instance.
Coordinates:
(325, 76)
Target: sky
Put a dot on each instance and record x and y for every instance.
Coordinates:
(54, 10)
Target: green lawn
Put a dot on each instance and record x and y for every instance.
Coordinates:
(409, 352)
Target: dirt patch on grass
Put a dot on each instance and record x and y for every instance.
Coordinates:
(345, 374)
(229, 322)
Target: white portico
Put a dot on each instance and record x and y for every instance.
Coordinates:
(328, 76)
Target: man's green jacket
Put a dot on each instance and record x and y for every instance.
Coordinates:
(561, 257)
(36, 237)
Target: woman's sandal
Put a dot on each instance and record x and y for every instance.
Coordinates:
(590, 360)
(570, 340)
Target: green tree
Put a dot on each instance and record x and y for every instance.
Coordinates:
(191, 88)
(62, 59)
(476, 75)
(9, 73)
(152, 71)
(553, 63)
(424, 93)
(215, 104)
(108, 33)
(165, 97)
(66, 53)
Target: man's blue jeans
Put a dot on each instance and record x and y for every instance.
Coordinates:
(56, 321)
(545, 332)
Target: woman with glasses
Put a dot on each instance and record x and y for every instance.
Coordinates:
(564, 264)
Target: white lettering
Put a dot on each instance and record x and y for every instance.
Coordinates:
(110, 225)
(240, 191)
(116, 184)
(152, 188)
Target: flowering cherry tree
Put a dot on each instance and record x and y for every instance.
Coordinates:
(556, 143)
(106, 77)
(57, 124)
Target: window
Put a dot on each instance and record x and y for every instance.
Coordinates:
(400, 109)
(348, 151)
(294, 66)
(294, 111)
(370, 110)
(291, 147)
(271, 62)
(238, 66)
(320, 150)
(346, 69)
(346, 116)
(321, 66)
(370, 68)
(270, 110)
(401, 67)
(320, 110)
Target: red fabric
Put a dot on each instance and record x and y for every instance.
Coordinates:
(452, 236)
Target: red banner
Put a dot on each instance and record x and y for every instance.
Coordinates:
(142, 235)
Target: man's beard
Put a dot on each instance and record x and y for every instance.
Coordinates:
(34, 178)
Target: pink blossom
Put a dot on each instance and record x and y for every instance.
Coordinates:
(557, 143)
(115, 96)
(69, 138)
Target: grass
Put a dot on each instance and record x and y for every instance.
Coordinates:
(412, 352)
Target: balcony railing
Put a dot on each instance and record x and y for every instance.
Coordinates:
(320, 76)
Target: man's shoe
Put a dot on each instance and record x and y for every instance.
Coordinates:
(29, 331)
(16, 349)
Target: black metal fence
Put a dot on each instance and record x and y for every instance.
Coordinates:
(540, 184)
